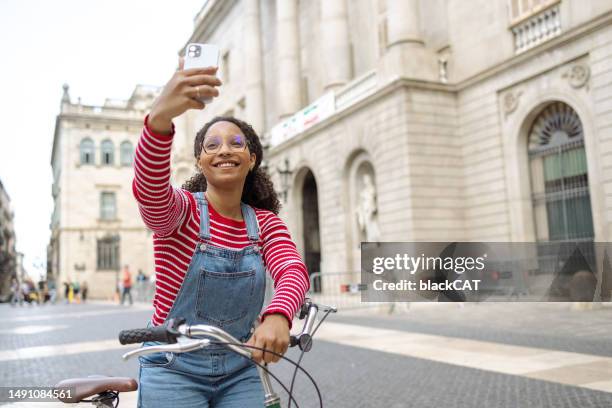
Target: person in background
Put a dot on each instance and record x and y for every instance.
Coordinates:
(76, 289)
(84, 289)
(67, 291)
(26, 290)
(127, 285)
(41, 292)
(52, 291)
(16, 293)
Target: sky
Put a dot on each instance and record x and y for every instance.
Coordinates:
(101, 49)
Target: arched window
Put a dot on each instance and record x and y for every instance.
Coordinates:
(559, 176)
(87, 151)
(108, 152)
(127, 153)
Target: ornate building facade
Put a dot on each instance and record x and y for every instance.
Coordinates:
(96, 228)
(9, 266)
(414, 120)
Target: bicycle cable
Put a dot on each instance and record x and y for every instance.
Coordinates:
(290, 393)
(303, 352)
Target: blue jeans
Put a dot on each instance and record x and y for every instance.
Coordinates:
(170, 381)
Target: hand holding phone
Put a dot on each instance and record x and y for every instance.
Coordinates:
(202, 56)
(181, 93)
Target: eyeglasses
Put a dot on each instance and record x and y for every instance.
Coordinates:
(213, 144)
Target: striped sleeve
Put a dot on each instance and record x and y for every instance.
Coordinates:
(286, 267)
(162, 207)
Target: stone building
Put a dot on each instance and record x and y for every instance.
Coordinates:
(414, 120)
(8, 254)
(96, 228)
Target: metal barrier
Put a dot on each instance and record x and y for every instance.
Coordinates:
(340, 289)
(144, 291)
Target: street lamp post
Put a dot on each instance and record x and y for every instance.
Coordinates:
(285, 178)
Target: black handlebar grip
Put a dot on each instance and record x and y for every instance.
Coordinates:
(158, 333)
(166, 333)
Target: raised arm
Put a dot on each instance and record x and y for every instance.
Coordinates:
(162, 206)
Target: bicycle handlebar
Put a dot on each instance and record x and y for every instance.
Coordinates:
(183, 338)
(166, 333)
(170, 331)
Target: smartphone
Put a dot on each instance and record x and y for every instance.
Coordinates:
(201, 56)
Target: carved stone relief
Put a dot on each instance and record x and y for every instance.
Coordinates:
(510, 101)
(577, 75)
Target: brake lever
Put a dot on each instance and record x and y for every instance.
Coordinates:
(309, 311)
(325, 308)
(178, 347)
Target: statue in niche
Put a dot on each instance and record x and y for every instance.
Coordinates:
(367, 212)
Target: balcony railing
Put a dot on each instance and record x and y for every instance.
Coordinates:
(537, 29)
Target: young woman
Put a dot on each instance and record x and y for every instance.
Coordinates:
(213, 241)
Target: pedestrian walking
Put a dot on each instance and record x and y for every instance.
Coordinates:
(228, 213)
(70, 292)
(67, 291)
(127, 285)
(52, 291)
(76, 289)
(84, 289)
(26, 290)
(16, 294)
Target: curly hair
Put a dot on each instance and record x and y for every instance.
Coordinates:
(258, 189)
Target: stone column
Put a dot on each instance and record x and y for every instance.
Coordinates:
(288, 55)
(406, 53)
(335, 42)
(403, 23)
(254, 98)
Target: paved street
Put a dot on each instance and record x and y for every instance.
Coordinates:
(493, 355)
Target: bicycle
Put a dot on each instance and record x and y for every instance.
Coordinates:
(104, 391)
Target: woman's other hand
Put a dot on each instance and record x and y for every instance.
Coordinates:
(182, 93)
(272, 334)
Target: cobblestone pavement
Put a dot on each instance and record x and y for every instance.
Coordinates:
(347, 376)
(554, 326)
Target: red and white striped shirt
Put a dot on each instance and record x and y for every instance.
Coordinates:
(174, 216)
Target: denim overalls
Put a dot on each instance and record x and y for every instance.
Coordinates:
(224, 288)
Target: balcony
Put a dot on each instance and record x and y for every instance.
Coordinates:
(536, 29)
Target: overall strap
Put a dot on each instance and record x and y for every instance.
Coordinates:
(204, 218)
(250, 219)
